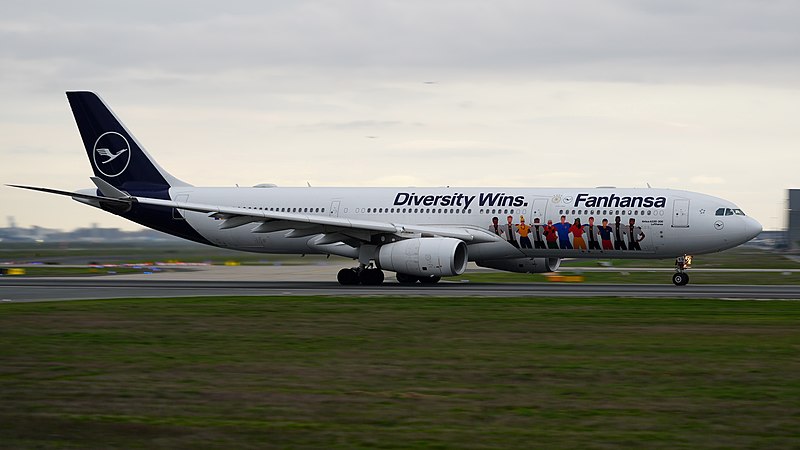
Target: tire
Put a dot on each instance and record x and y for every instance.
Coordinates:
(404, 278)
(680, 279)
(371, 277)
(347, 277)
(430, 280)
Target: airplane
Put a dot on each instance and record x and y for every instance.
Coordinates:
(421, 234)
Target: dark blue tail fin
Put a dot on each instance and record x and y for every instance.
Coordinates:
(114, 153)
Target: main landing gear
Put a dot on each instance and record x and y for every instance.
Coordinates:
(368, 276)
(372, 276)
(680, 277)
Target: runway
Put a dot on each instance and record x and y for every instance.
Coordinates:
(50, 289)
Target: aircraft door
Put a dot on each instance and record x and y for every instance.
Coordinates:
(538, 207)
(334, 212)
(680, 213)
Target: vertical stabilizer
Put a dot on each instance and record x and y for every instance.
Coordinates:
(115, 155)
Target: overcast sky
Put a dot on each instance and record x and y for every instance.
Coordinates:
(693, 95)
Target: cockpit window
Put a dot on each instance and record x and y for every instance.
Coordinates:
(729, 212)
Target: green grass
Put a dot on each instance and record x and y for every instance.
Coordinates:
(400, 373)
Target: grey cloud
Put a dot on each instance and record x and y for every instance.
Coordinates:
(581, 39)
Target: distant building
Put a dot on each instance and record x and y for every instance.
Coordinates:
(793, 216)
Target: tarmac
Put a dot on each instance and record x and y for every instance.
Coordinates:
(300, 280)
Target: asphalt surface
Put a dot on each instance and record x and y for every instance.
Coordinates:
(46, 289)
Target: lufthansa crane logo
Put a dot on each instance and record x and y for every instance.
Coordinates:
(111, 154)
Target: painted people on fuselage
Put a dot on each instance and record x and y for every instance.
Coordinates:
(619, 234)
(605, 232)
(635, 235)
(511, 234)
(577, 235)
(551, 235)
(537, 235)
(591, 234)
(495, 227)
(524, 240)
(563, 233)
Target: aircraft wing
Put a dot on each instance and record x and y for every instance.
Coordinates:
(335, 228)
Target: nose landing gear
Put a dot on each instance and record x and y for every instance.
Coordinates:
(680, 277)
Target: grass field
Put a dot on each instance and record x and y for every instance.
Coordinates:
(400, 373)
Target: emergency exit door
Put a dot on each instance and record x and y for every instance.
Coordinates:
(334, 211)
(680, 213)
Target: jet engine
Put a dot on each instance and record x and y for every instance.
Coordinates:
(424, 257)
(523, 265)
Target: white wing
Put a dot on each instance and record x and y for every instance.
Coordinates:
(334, 229)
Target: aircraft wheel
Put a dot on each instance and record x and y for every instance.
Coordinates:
(347, 277)
(680, 279)
(405, 278)
(430, 280)
(371, 277)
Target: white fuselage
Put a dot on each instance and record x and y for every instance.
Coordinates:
(667, 223)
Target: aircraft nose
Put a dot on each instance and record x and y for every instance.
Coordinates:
(752, 228)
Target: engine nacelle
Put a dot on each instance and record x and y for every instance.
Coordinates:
(424, 257)
(523, 265)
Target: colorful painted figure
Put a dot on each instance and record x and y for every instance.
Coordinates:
(524, 240)
(563, 233)
(577, 235)
(605, 235)
(551, 235)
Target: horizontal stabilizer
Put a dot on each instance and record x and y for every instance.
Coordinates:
(127, 200)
